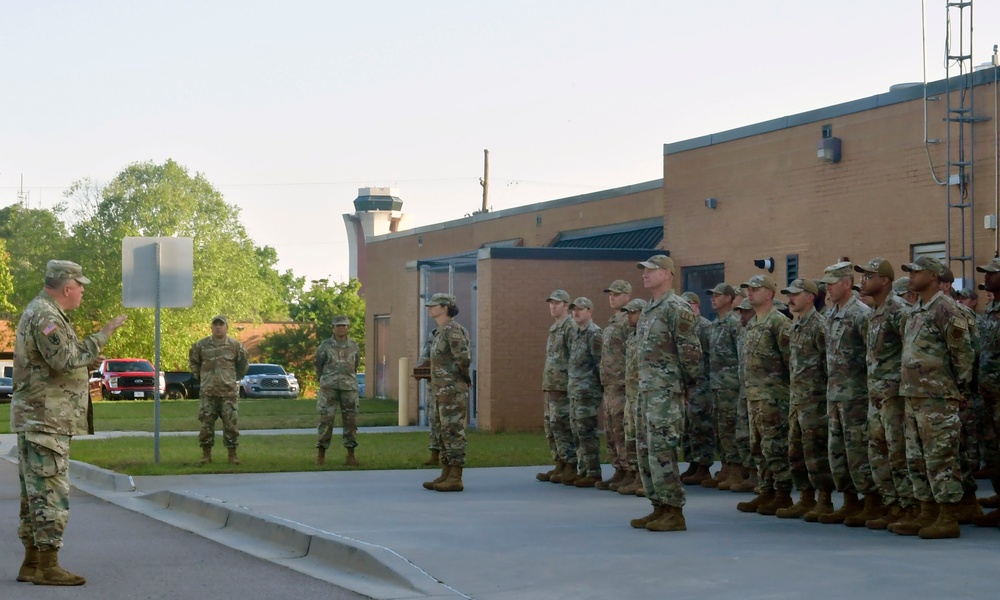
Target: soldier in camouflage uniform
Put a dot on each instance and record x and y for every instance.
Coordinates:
(724, 381)
(670, 364)
(886, 412)
(699, 427)
(432, 436)
(766, 357)
(901, 287)
(807, 417)
(337, 362)
(989, 388)
(615, 334)
(451, 358)
(218, 362)
(746, 481)
(49, 407)
(937, 368)
(847, 399)
(585, 392)
(634, 421)
(555, 376)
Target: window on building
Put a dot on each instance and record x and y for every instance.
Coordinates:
(700, 278)
(932, 249)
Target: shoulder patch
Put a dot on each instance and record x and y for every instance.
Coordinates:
(687, 315)
(54, 339)
(959, 323)
(49, 329)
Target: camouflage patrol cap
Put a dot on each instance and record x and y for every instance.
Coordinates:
(835, 273)
(968, 293)
(761, 281)
(582, 302)
(745, 305)
(991, 267)
(856, 288)
(925, 263)
(634, 305)
(660, 261)
(64, 270)
(441, 299)
(722, 288)
(558, 296)
(877, 266)
(741, 292)
(619, 286)
(225, 321)
(801, 285)
(948, 276)
(901, 286)
(692, 298)
(341, 320)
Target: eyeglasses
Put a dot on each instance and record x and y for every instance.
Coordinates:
(868, 276)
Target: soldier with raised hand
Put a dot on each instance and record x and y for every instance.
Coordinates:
(699, 429)
(555, 376)
(585, 392)
(635, 423)
(766, 354)
(989, 388)
(615, 334)
(886, 412)
(219, 362)
(49, 407)
(337, 361)
(669, 367)
(937, 368)
(807, 418)
(724, 381)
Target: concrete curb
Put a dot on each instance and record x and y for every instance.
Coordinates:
(80, 472)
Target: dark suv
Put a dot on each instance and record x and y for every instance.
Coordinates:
(268, 381)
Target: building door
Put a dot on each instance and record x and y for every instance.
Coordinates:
(381, 356)
(700, 278)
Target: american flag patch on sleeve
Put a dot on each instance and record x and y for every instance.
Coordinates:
(49, 329)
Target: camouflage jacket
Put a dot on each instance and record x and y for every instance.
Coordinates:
(51, 372)
(724, 359)
(846, 368)
(937, 351)
(450, 357)
(632, 365)
(989, 357)
(766, 354)
(219, 365)
(556, 374)
(613, 350)
(337, 364)
(885, 347)
(807, 359)
(669, 348)
(704, 329)
(584, 361)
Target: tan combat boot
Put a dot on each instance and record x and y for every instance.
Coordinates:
(547, 475)
(233, 459)
(872, 510)
(807, 502)
(569, 474)
(587, 481)
(720, 476)
(672, 520)
(701, 473)
(351, 460)
(453, 483)
(912, 526)
(320, 456)
(627, 479)
(945, 526)
(969, 509)
(747, 485)
(29, 565)
(990, 501)
(758, 501)
(557, 476)
(434, 460)
(782, 499)
(991, 519)
(629, 486)
(445, 469)
(824, 506)
(640, 523)
(852, 506)
(607, 483)
(734, 477)
(49, 572)
(890, 514)
(206, 455)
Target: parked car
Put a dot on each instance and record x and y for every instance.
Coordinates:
(268, 381)
(361, 385)
(125, 378)
(6, 389)
(181, 385)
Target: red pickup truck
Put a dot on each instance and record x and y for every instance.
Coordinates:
(124, 378)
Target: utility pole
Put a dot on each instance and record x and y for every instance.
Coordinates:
(485, 180)
(22, 196)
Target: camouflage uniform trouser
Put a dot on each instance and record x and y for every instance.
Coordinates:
(769, 443)
(432, 438)
(658, 461)
(614, 425)
(725, 424)
(849, 446)
(328, 402)
(932, 432)
(807, 445)
(887, 450)
(967, 453)
(629, 427)
(743, 432)
(560, 423)
(214, 407)
(588, 444)
(991, 421)
(451, 411)
(639, 429)
(699, 427)
(43, 469)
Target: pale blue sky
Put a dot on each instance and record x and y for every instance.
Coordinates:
(289, 107)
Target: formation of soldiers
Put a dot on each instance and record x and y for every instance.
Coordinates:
(886, 392)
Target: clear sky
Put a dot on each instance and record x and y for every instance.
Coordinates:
(289, 107)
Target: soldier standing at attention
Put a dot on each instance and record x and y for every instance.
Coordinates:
(450, 360)
(422, 362)
(669, 367)
(699, 429)
(585, 392)
(989, 388)
(807, 420)
(613, 380)
(337, 361)
(218, 362)
(766, 354)
(634, 422)
(937, 368)
(555, 376)
(747, 478)
(49, 407)
(724, 381)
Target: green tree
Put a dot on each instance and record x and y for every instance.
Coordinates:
(33, 237)
(6, 282)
